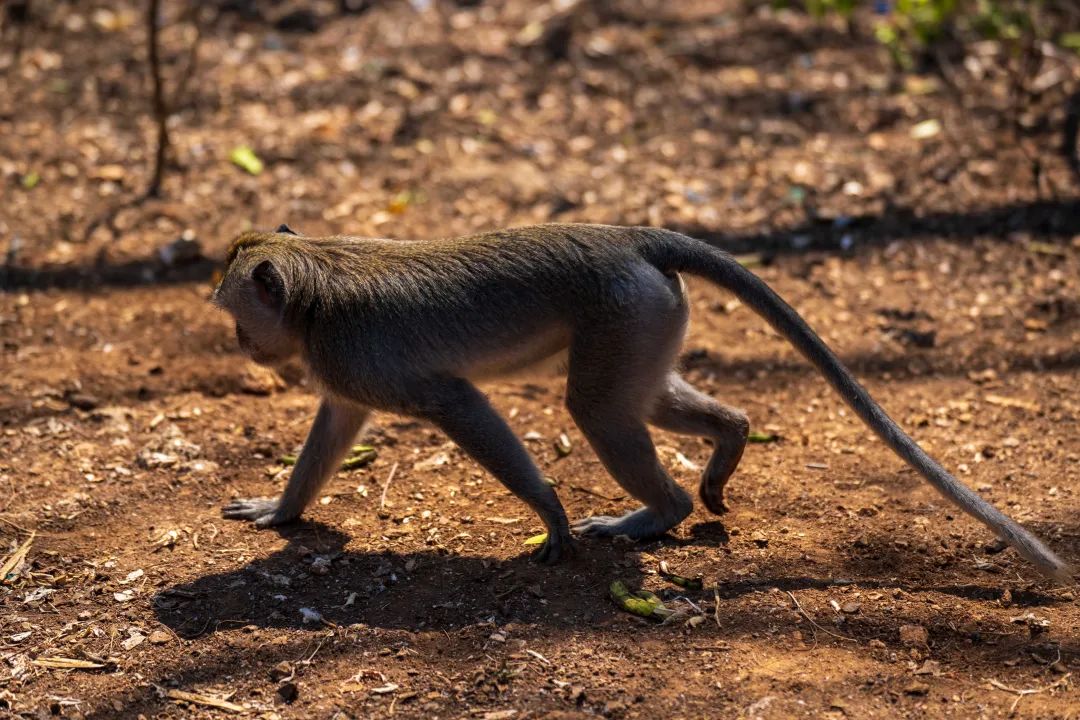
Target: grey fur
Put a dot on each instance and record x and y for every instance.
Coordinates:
(409, 326)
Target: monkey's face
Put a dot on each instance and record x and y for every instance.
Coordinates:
(255, 295)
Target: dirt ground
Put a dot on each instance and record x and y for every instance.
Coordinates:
(941, 259)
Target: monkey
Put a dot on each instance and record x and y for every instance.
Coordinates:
(411, 327)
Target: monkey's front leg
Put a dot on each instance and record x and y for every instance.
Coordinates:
(464, 414)
(330, 437)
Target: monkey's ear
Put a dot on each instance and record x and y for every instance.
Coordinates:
(269, 287)
(283, 228)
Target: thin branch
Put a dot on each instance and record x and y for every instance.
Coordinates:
(160, 107)
(1024, 692)
(386, 486)
(811, 620)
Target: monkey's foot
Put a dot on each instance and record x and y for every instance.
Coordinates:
(261, 511)
(721, 467)
(558, 546)
(640, 524)
(712, 496)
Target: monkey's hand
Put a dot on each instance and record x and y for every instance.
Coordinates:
(558, 546)
(264, 512)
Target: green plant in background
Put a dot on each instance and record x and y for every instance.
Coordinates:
(912, 26)
(821, 8)
(911, 29)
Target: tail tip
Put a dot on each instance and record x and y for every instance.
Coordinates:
(1060, 571)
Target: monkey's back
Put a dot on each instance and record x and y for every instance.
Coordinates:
(474, 305)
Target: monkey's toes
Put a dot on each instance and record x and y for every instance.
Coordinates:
(596, 526)
(641, 524)
(260, 511)
(714, 501)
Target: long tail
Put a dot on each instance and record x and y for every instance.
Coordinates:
(672, 251)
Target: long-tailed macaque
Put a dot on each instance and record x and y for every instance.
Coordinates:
(409, 327)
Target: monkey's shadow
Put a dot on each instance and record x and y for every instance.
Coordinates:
(316, 580)
(315, 576)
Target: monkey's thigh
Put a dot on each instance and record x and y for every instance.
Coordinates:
(618, 365)
(683, 409)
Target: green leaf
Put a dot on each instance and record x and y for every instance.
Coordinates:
(245, 158)
(641, 603)
(1070, 40)
(358, 459)
(536, 539)
(761, 437)
(30, 180)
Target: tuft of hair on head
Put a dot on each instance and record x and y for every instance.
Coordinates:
(248, 239)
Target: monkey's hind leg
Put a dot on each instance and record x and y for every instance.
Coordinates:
(684, 409)
(616, 372)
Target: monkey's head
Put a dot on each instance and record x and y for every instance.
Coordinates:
(255, 291)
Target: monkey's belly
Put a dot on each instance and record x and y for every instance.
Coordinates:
(543, 353)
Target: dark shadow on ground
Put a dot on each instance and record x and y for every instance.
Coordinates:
(1048, 219)
(443, 590)
(414, 600)
(132, 273)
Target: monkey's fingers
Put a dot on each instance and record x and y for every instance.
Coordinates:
(557, 547)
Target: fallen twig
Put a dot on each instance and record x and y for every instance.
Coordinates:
(811, 620)
(587, 491)
(16, 558)
(386, 486)
(200, 699)
(1024, 692)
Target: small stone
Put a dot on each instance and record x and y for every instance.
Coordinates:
(159, 637)
(82, 401)
(877, 644)
(917, 688)
(759, 539)
(259, 380)
(134, 641)
(182, 251)
(914, 636)
(995, 546)
(930, 667)
(613, 708)
(850, 607)
(288, 691)
(281, 671)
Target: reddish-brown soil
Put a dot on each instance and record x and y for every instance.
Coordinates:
(943, 269)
